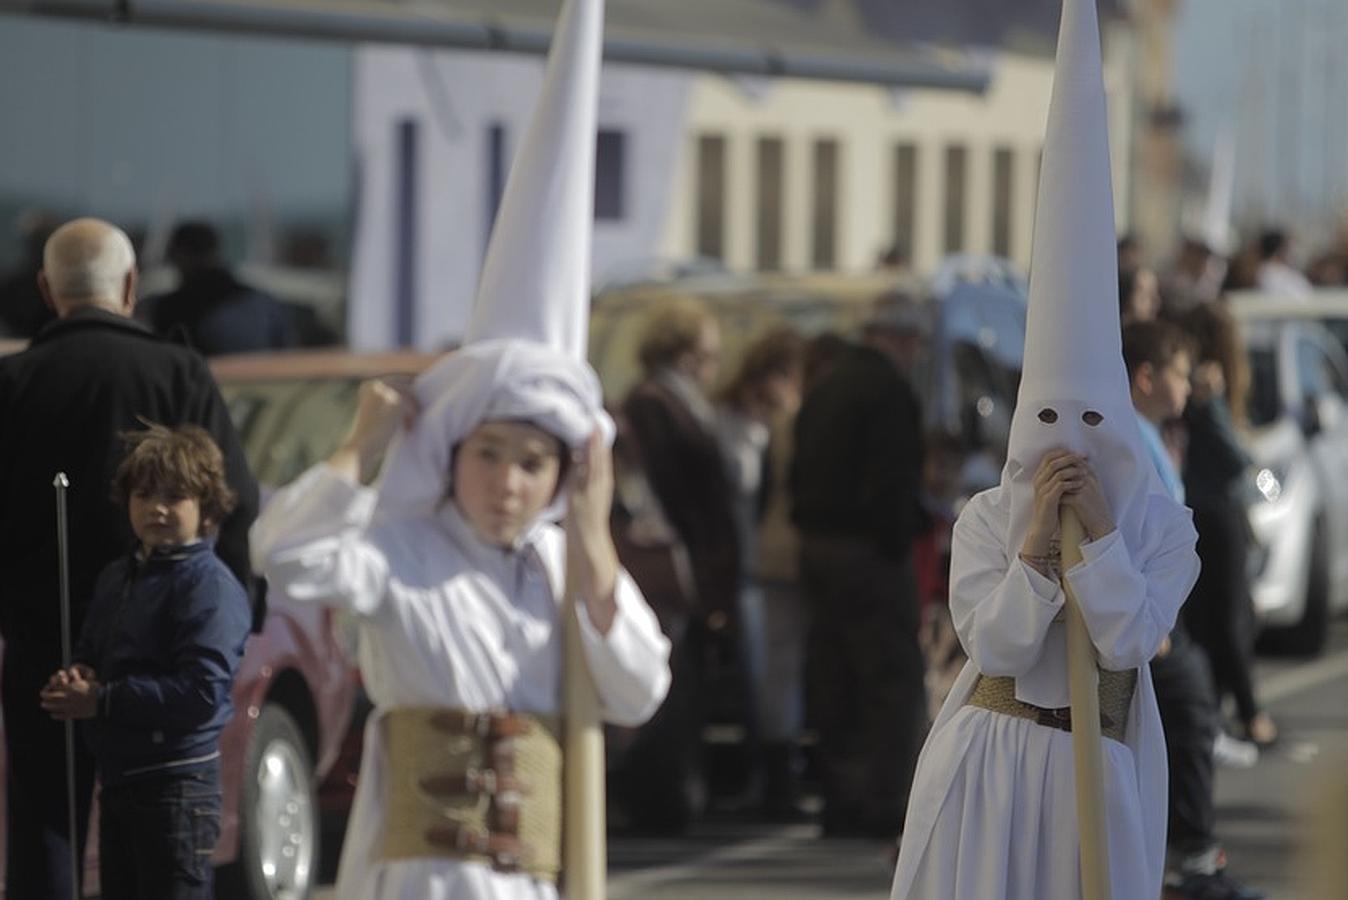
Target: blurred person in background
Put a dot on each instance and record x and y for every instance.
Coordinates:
(1220, 611)
(22, 309)
(1276, 274)
(670, 432)
(1196, 277)
(1139, 294)
(764, 392)
(1159, 362)
(216, 312)
(943, 461)
(854, 489)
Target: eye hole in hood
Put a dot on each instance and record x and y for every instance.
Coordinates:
(1048, 415)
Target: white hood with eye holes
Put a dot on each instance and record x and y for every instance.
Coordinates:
(1073, 361)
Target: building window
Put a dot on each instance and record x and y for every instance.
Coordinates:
(1003, 199)
(610, 170)
(405, 235)
(956, 188)
(905, 201)
(710, 237)
(769, 225)
(498, 167)
(824, 245)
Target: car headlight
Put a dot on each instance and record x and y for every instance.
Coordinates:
(1269, 480)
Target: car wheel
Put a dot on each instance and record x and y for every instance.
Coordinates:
(1308, 637)
(278, 815)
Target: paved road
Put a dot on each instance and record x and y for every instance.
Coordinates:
(1258, 811)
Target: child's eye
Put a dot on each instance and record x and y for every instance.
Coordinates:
(533, 465)
(1092, 418)
(1048, 415)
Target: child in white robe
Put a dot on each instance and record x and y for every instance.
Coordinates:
(992, 814)
(454, 572)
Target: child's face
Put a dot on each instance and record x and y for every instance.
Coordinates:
(164, 519)
(505, 475)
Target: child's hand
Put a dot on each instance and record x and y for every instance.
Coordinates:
(1089, 503)
(382, 406)
(71, 694)
(591, 558)
(1065, 479)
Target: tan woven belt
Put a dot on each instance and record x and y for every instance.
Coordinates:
(485, 787)
(998, 693)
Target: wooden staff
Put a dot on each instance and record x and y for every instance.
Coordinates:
(585, 856)
(1083, 682)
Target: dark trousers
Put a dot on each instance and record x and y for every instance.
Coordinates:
(1220, 613)
(1189, 718)
(864, 681)
(156, 836)
(659, 774)
(37, 831)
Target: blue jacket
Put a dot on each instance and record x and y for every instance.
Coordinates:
(165, 635)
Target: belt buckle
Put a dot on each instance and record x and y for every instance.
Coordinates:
(1059, 717)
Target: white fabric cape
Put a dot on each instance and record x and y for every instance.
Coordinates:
(992, 815)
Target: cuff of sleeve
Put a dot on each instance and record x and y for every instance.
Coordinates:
(1097, 552)
(1041, 585)
(350, 503)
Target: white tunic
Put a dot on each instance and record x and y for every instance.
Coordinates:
(992, 814)
(445, 620)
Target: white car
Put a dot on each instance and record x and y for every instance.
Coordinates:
(1299, 441)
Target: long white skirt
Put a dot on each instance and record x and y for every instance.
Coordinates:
(993, 815)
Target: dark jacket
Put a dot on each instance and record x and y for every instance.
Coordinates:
(1214, 460)
(164, 634)
(63, 401)
(858, 461)
(683, 464)
(218, 314)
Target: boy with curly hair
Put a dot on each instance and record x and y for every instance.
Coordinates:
(154, 667)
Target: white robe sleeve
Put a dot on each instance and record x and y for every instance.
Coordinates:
(308, 543)
(1001, 608)
(1130, 608)
(630, 664)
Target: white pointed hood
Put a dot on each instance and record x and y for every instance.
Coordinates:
(524, 358)
(1073, 351)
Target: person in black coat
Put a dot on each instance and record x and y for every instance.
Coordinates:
(668, 427)
(88, 376)
(854, 481)
(215, 311)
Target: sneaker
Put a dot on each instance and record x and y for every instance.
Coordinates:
(1234, 754)
(1216, 886)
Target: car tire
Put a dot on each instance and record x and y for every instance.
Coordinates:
(279, 829)
(1308, 636)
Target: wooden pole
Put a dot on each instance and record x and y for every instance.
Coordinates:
(1083, 680)
(585, 856)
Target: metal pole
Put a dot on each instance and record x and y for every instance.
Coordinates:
(1083, 680)
(61, 483)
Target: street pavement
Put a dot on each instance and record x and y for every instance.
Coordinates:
(1259, 816)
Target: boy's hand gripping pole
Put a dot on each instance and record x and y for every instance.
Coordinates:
(585, 853)
(61, 483)
(1083, 682)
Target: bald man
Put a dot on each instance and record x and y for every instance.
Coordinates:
(89, 374)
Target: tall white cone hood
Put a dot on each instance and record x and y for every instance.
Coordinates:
(1072, 336)
(535, 282)
(1073, 372)
(524, 350)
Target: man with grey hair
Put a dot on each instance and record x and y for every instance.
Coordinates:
(87, 376)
